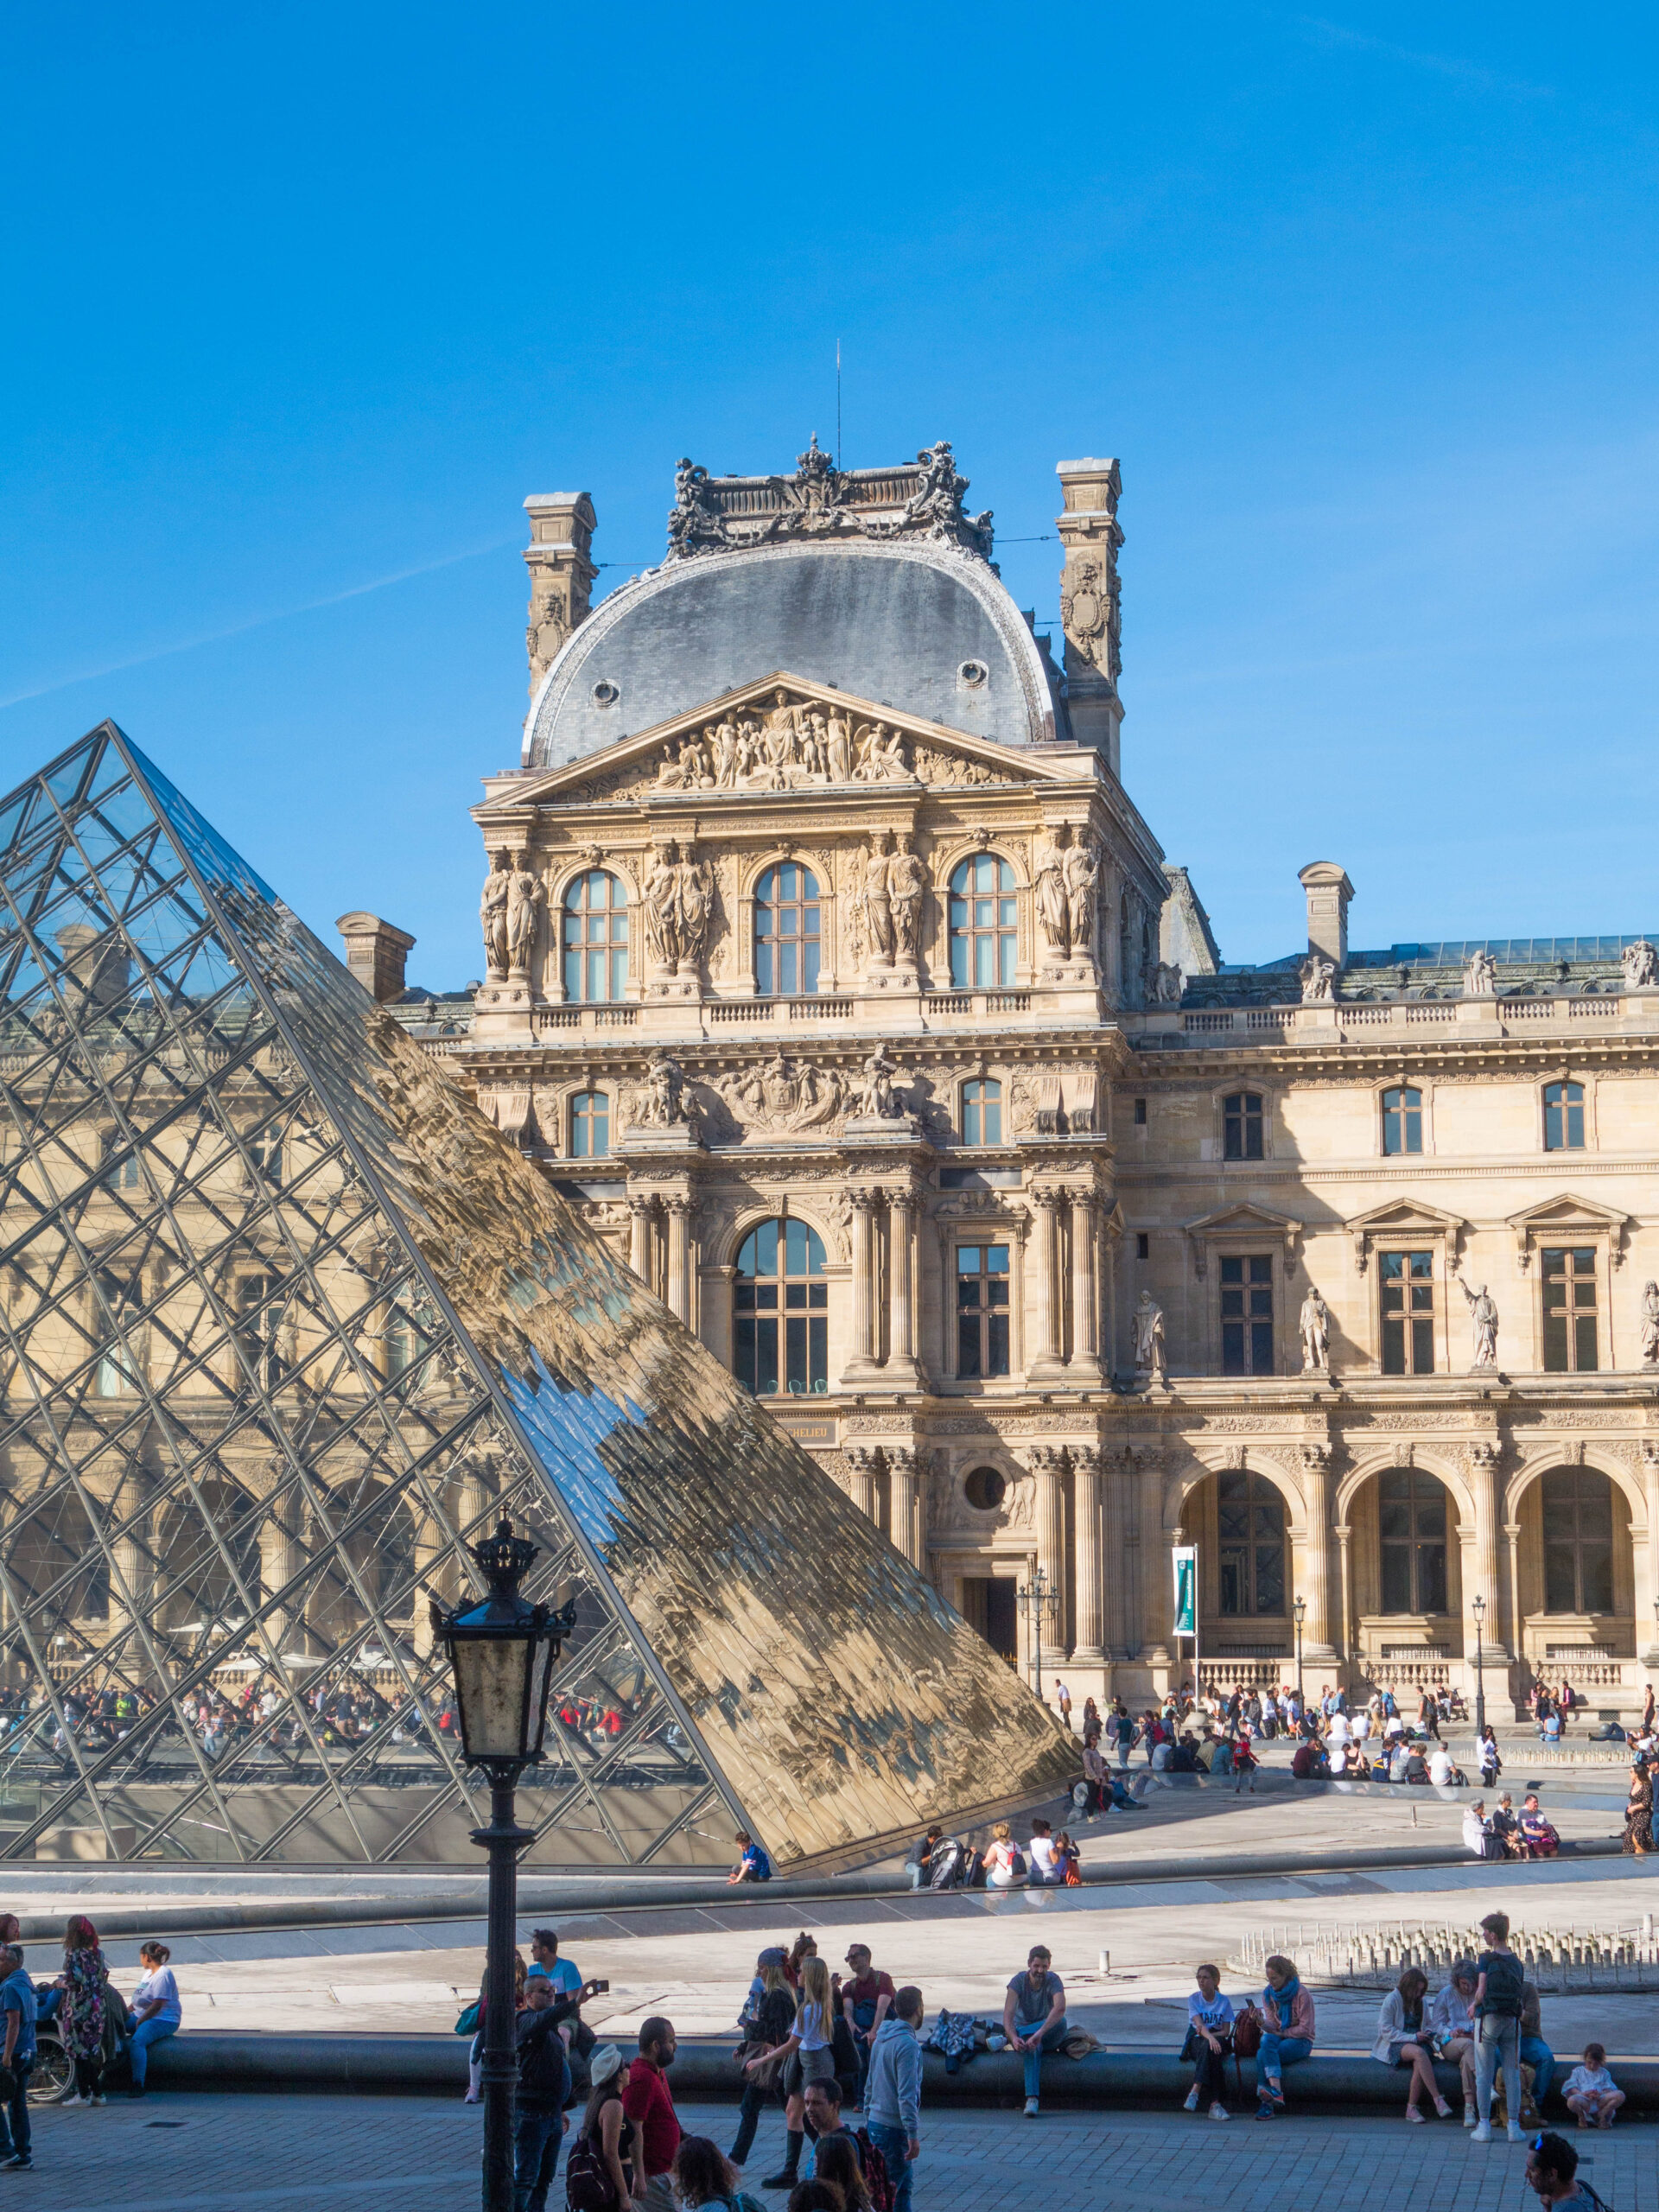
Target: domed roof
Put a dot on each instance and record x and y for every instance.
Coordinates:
(923, 626)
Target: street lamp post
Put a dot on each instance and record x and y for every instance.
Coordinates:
(1300, 1610)
(1039, 1597)
(1477, 1607)
(501, 1650)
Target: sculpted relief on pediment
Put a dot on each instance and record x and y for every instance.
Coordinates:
(790, 739)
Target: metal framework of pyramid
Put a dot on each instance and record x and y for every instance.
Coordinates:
(284, 1324)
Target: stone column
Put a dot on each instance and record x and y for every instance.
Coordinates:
(902, 1208)
(1045, 1463)
(1085, 1498)
(1120, 1637)
(860, 1462)
(282, 1551)
(1318, 1651)
(1344, 1533)
(1480, 1561)
(904, 1498)
(1157, 1589)
(1085, 1328)
(639, 1225)
(862, 1365)
(678, 1207)
(1046, 1364)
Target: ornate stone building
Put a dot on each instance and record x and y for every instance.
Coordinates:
(831, 969)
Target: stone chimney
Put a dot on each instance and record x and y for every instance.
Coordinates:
(1089, 602)
(561, 572)
(375, 953)
(1328, 893)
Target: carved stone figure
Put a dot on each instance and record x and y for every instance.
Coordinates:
(1053, 910)
(694, 892)
(492, 915)
(1148, 1320)
(1080, 864)
(840, 741)
(660, 1102)
(1086, 612)
(876, 1098)
(906, 882)
(937, 502)
(1167, 983)
(1318, 977)
(1480, 974)
(659, 904)
(548, 628)
(1640, 962)
(694, 523)
(874, 905)
(723, 746)
(880, 754)
(1651, 1324)
(526, 900)
(1315, 1325)
(1482, 1311)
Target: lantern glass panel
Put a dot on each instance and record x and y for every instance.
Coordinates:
(492, 1676)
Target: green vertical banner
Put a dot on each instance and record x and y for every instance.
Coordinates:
(1186, 1557)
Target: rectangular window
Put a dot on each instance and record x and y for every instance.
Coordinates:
(1563, 1117)
(1408, 1279)
(1242, 1126)
(982, 1311)
(1570, 1346)
(1246, 1315)
(1142, 1245)
(1139, 1113)
(1403, 1120)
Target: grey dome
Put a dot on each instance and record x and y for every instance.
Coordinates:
(894, 623)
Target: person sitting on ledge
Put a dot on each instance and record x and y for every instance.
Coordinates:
(1405, 2037)
(1539, 1838)
(1592, 2096)
(919, 1859)
(1309, 1763)
(1286, 2033)
(753, 1865)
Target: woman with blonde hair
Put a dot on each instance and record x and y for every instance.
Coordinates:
(773, 2020)
(1002, 1867)
(808, 2056)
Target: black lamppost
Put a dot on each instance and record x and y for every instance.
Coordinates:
(501, 1651)
(1038, 1597)
(1300, 1610)
(1477, 1607)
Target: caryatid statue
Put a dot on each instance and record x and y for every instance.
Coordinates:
(659, 900)
(1651, 1324)
(492, 915)
(525, 899)
(877, 903)
(1482, 1311)
(907, 883)
(1053, 907)
(1315, 1325)
(1148, 1320)
(1080, 865)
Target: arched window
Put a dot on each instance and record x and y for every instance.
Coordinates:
(1411, 1541)
(1242, 1126)
(1403, 1119)
(781, 1311)
(1250, 1532)
(590, 1125)
(787, 936)
(595, 937)
(981, 923)
(1563, 1117)
(1577, 1514)
(981, 1112)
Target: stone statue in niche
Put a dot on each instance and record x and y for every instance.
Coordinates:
(1318, 979)
(492, 915)
(525, 901)
(1167, 983)
(1640, 962)
(677, 896)
(906, 882)
(1480, 974)
(1483, 1312)
(1315, 1325)
(1068, 873)
(1651, 1324)
(1051, 909)
(1150, 1356)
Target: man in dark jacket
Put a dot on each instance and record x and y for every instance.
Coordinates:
(543, 2092)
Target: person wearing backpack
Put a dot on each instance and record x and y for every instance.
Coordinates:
(702, 2177)
(1499, 1994)
(598, 2172)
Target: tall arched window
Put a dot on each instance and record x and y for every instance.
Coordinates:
(1577, 1514)
(590, 1125)
(981, 1112)
(786, 931)
(1250, 1543)
(1403, 1119)
(595, 937)
(1411, 1541)
(983, 937)
(781, 1311)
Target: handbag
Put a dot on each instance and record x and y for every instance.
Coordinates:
(767, 2074)
(1247, 2033)
(467, 2024)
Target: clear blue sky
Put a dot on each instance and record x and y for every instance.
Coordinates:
(302, 302)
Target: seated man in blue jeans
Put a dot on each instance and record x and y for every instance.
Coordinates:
(1033, 2017)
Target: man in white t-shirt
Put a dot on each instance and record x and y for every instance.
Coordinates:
(1336, 1733)
(1440, 1767)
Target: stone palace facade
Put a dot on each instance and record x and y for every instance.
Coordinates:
(830, 968)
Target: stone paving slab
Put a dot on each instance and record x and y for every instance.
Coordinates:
(181, 2153)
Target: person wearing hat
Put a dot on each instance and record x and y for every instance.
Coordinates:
(606, 2135)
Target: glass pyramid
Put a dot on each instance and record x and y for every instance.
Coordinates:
(285, 1323)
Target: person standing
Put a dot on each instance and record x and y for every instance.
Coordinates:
(157, 2011)
(18, 2010)
(893, 2098)
(607, 2142)
(80, 2016)
(543, 2092)
(808, 2057)
(771, 2021)
(1497, 2008)
(544, 1959)
(648, 2103)
(1034, 2018)
(865, 2001)
(1063, 1700)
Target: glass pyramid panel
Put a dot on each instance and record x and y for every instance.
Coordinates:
(285, 1326)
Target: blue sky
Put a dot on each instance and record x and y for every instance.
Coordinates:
(303, 302)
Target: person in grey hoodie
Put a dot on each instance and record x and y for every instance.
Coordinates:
(893, 2094)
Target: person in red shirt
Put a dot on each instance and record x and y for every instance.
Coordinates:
(866, 1998)
(648, 2102)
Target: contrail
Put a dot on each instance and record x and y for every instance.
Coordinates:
(256, 622)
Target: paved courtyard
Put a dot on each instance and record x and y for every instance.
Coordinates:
(235, 2153)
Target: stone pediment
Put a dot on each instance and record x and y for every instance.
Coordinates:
(781, 733)
(1567, 1216)
(1405, 1218)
